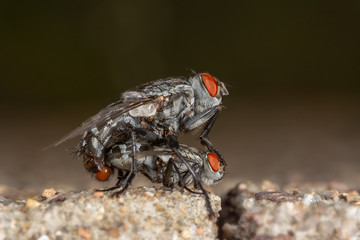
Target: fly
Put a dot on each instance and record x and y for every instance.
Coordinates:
(159, 110)
(161, 165)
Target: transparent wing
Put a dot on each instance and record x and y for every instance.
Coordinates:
(110, 112)
(187, 152)
(155, 152)
(146, 93)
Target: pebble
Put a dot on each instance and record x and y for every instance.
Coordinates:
(48, 193)
(84, 234)
(125, 228)
(59, 198)
(278, 196)
(159, 208)
(311, 198)
(185, 234)
(149, 194)
(200, 231)
(98, 194)
(43, 237)
(330, 194)
(32, 204)
(114, 232)
(123, 210)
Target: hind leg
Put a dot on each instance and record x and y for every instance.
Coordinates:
(124, 184)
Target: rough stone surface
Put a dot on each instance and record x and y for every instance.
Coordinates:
(309, 211)
(140, 213)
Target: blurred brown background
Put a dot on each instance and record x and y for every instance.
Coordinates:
(292, 70)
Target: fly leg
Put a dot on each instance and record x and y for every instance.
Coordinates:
(117, 185)
(182, 183)
(209, 117)
(173, 143)
(189, 190)
(168, 173)
(150, 174)
(203, 137)
(124, 184)
(197, 181)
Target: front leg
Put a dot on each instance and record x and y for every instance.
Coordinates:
(204, 140)
(196, 121)
(209, 117)
(204, 136)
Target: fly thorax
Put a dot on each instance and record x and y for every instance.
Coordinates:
(179, 105)
(174, 108)
(125, 120)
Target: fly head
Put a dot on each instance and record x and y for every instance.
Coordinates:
(213, 168)
(208, 91)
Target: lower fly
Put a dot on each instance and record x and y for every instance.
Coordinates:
(161, 165)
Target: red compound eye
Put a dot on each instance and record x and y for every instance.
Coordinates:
(210, 84)
(103, 174)
(214, 161)
(89, 164)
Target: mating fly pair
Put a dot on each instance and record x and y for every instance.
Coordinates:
(152, 114)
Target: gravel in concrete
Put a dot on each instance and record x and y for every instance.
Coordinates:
(139, 213)
(310, 211)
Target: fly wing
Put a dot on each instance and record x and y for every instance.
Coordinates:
(144, 94)
(189, 153)
(110, 112)
(155, 152)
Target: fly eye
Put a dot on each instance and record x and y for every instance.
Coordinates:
(214, 161)
(103, 174)
(89, 164)
(210, 84)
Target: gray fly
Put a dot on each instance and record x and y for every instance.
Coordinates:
(161, 165)
(158, 110)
